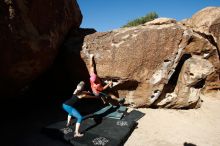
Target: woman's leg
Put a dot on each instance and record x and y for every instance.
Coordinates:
(73, 112)
(68, 109)
(78, 116)
(68, 120)
(77, 134)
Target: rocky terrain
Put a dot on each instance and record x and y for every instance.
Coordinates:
(159, 66)
(162, 63)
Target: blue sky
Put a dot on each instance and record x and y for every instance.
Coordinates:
(105, 15)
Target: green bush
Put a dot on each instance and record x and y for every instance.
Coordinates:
(148, 17)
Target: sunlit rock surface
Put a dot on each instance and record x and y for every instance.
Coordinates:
(147, 61)
(206, 23)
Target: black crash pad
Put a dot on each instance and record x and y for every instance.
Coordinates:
(115, 112)
(103, 131)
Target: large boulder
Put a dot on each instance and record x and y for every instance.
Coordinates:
(206, 23)
(190, 81)
(138, 57)
(146, 61)
(31, 33)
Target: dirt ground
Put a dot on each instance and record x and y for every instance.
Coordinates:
(167, 127)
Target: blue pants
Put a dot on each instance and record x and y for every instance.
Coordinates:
(73, 112)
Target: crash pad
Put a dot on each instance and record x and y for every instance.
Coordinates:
(115, 112)
(102, 131)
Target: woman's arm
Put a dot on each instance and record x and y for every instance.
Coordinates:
(87, 96)
(86, 92)
(91, 65)
(90, 96)
(107, 85)
(76, 91)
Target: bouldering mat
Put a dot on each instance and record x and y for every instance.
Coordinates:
(134, 115)
(118, 114)
(105, 132)
(115, 112)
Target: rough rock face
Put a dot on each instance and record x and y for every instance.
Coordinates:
(146, 61)
(31, 32)
(187, 91)
(206, 23)
(162, 20)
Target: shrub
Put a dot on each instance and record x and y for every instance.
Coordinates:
(148, 17)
